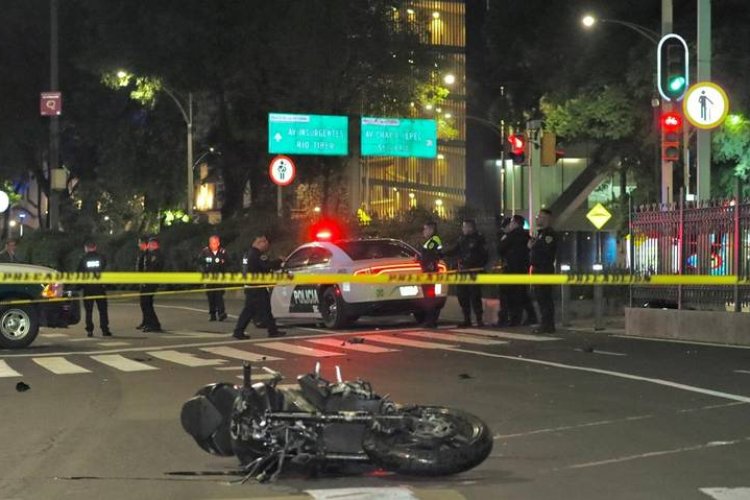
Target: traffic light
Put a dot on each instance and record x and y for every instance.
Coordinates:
(672, 66)
(671, 129)
(517, 148)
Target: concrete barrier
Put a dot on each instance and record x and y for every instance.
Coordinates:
(703, 326)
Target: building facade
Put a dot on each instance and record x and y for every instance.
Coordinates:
(391, 186)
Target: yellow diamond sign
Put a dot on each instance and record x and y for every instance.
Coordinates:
(598, 216)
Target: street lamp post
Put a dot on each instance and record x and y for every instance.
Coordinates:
(589, 21)
(187, 115)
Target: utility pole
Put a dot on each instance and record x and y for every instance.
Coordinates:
(53, 200)
(667, 177)
(703, 137)
(534, 131)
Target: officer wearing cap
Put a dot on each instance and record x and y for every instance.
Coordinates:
(213, 260)
(429, 258)
(543, 250)
(257, 298)
(471, 251)
(94, 262)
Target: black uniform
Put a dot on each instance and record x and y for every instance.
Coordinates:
(152, 263)
(514, 252)
(471, 251)
(257, 298)
(94, 262)
(429, 258)
(211, 262)
(140, 266)
(542, 257)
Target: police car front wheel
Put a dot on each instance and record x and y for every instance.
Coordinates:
(19, 326)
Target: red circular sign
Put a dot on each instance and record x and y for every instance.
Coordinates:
(282, 170)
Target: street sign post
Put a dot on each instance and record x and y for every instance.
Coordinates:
(598, 216)
(50, 103)
(282, 170)
(308, 134)
(398, 137)
(706, 105)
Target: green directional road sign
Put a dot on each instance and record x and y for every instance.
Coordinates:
(308, 134)
(399, 137)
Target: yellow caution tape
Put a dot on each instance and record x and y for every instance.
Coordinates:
(284, 278)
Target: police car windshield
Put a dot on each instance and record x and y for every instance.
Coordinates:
(376, 249)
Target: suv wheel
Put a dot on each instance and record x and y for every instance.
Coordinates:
(19, 326)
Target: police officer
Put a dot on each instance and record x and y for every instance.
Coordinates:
(514, 252)
(213, 260)
(429, 258)
(471, 251)
(140, 265)
(257, 298)
(94, 262)
(8, 253)
(543, 249)
(153, 263)
(503, 314)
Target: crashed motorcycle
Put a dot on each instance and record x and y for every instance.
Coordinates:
(320, 423)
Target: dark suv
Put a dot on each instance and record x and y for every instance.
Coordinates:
(25, 307)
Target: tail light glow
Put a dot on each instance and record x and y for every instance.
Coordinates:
(52, 291)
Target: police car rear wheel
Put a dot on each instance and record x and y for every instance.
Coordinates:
(333, 309)
(19, 326)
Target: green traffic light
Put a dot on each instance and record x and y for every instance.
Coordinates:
(676, 83)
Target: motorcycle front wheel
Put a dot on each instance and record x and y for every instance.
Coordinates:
(430, 441)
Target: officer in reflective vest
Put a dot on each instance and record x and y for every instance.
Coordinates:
(94, 262)
(213, 260)
(429, 258)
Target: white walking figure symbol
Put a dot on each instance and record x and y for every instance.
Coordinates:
(706, 104)
(282, 170)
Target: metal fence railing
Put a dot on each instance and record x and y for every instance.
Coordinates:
(707, 239)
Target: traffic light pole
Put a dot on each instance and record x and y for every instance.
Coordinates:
(667, 177)
(703, 137)
(534, 137)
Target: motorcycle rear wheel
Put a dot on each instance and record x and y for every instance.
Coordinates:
(435, 441)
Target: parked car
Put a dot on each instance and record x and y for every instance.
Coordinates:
(340, 305)
(25, 307)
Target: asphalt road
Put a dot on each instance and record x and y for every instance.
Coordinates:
(574, 415)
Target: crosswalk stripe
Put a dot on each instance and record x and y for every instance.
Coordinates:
(454, 337)
(113, 344)
(343, 344)
(7, 371)
(53, 335)
(185, 358)
(232, 352)
(386, 339)
(299, 349)
(507, 335)
(260, 377)
(59, 365)
(122, 363)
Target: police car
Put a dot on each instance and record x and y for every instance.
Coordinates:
(342, 304)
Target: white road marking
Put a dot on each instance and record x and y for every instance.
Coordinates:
(193, 309)
(741, 371)
(597, 351)
(384, 493)
(60, 365)
(299, 349)
(84, 339)
(7, 371)
(53, 335)
(727, 493)
(659, 453)
(260, 377)
(571, 427)
(388, 339)
(113, 344)
(122, 363)
(185, 358)
(657, 381)
(507, 335)
(454, 337)
(343, 344)
(231, 352)
(676, 341)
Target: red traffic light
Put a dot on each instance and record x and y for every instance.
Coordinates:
(671, 122)
(517, 144)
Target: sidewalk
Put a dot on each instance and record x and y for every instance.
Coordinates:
(579, 322)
